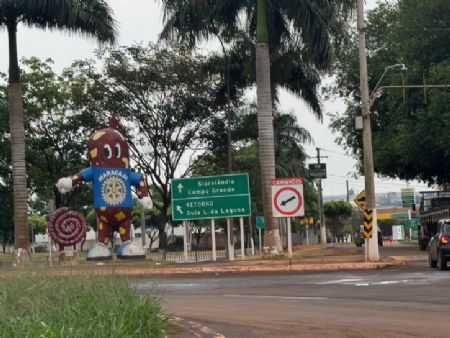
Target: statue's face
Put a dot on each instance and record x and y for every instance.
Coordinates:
(108, 148)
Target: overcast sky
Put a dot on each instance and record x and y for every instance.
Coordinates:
(141, 21)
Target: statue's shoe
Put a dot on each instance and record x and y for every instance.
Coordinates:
(130, 250)
(99, 252)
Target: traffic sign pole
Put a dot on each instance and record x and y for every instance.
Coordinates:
(241, 224)
(289, 237)
(207, 197)
(230, 247)
(260, 244)
(185, 243)
(213, 238)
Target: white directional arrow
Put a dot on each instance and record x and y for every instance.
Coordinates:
(179, 209)
(180, 188)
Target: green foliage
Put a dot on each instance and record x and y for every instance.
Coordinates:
(301, 37)
(37, 223)
(164, 100)
(56, 129)
(64, 307)
(6, 216)
(88, 17)
(409, 131)
(289, 152)
(337, 214)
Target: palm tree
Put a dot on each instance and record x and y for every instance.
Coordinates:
(274, 24)
(85, 17)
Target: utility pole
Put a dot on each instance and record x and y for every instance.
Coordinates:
(323, 232)
(348, 192)
(367, 133)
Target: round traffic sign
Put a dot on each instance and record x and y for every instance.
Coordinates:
(287, 201)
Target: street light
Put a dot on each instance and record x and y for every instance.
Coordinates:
(373, 95)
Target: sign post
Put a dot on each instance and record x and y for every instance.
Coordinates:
(213, 238)
(209, 197)
(230, 247)
(260, 225)
(408, 198)
(185, 240)
(287, 201)
(241, 224)
(317, 170)
(289, 234)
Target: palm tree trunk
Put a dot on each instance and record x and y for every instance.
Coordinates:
(272, 240)
(16, 123)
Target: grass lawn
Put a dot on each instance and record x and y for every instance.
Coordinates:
(77, 306)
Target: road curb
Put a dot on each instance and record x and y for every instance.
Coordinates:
(238, 267)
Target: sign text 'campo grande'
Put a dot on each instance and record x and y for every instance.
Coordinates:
(207, 197)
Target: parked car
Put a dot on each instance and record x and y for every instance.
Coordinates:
(359, 238)
(439, 246)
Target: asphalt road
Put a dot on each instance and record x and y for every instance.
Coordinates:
(405, 301)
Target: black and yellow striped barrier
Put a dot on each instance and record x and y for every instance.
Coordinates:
(368, 221)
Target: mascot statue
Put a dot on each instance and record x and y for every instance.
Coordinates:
(111, 178)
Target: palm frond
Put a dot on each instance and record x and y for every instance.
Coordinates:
(86, 17)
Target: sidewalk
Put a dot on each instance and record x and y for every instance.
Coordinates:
(305, 258)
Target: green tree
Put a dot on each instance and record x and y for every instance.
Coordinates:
(289, 152)
(6, 216)
(55, 147)
(54, 143)
(151, 220)
(165, 100)
(409, 129)
(273, 24)
(86, 17)
(337, 214)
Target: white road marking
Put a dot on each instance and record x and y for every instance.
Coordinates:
(276, 297)
(341, 281)
(365, 282)
(197, 329)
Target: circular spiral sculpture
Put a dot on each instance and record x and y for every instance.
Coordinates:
(67, 227)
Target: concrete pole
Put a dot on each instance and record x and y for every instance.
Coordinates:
(185, 240)
(367, 133)
(143, 236)
(229, 234)
(213, 237)
(252, 241)
(241, 224)
(51, 209)
(323, 231)
(289, 236)
(260, 244)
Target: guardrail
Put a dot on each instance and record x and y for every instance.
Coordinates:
(44, 259)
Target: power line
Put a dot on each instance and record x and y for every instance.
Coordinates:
(337, 153)
(378, 182)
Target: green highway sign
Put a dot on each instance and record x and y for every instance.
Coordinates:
(407, 196)
(260, 222)
(412, 223)
(317, 170)
(206, 197)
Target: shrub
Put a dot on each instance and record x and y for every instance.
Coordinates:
(87, 306)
